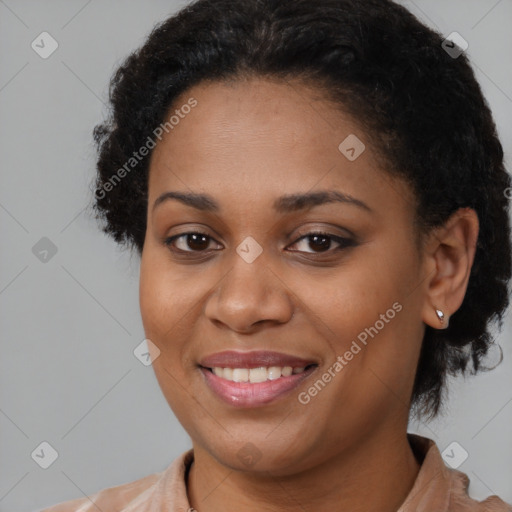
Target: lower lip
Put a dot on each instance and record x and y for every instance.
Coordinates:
(245, 394)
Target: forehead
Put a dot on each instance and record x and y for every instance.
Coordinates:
(233, 119)
(262, 135)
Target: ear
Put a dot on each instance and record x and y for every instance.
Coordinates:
(449, 256)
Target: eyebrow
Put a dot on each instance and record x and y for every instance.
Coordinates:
(284, 204)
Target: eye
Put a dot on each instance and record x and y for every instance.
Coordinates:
(198, 242)
(321, 241)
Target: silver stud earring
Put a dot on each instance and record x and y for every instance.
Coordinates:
(442, 318)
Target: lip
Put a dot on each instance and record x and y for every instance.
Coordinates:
(254, 359)
(249, 395)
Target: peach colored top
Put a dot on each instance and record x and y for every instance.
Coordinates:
(437, 488)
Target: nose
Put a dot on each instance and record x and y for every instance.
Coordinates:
(249, 296)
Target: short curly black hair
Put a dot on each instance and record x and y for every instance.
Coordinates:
(421, 107)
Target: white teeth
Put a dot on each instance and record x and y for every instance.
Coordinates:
(255, 375)
(286, 371)
(274, 372)
(240, 375)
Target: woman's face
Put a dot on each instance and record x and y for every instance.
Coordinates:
(341, 311)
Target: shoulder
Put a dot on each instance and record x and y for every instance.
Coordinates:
(111, 498)
(443, 488)
(165, 490)
(460, 500)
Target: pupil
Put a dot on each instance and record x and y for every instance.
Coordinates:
(325, 240)
(193, 239)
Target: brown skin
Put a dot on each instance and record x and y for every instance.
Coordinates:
(245, 144)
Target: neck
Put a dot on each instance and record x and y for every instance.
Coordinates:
(385, 464)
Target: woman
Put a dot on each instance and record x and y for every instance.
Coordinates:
(318, 196)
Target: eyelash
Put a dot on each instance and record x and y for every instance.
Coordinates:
(343, 242)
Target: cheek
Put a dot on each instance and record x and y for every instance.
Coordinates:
(164, 296)
(369, 317)
(163, 306)
(353, 297)
(171, 305)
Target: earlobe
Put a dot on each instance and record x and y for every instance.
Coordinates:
(451, 252)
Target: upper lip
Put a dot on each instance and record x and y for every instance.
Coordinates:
(254, 359)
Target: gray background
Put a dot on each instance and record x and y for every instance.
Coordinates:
(69, 326)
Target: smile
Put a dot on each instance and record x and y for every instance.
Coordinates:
(254, 379)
